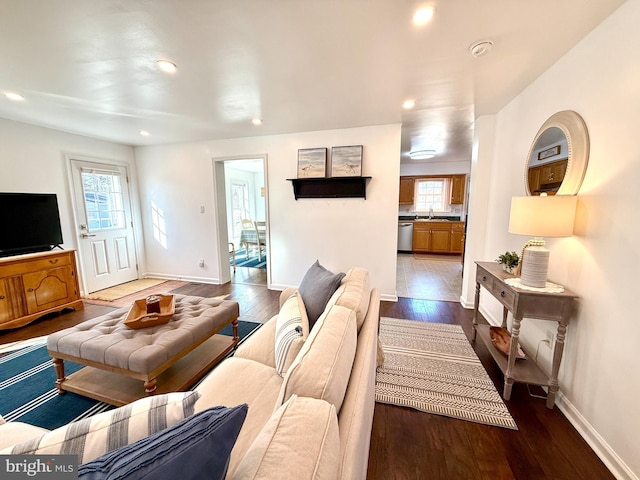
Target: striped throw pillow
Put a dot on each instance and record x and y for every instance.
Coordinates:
(94, 436)
(292, 328)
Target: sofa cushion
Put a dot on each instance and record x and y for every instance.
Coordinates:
(323, 366)
(301, 435)
(292, 328)
(260, 346)
(91, 437)
(12, 433)
(195, 448)
(236, 381)
(316, 288)
(354, 292)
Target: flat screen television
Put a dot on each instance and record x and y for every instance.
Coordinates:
(29, 222)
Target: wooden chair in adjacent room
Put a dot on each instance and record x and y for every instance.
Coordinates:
(261, 236)
(249, 236)
(232, 255)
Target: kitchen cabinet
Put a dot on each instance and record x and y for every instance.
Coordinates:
(457, 237)
(36, 284)
(437, 236)
(457, 189)
(407, 187)
(440, 237)
(547, 177)
(421, 237)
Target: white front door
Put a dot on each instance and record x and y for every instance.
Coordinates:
(105, 229)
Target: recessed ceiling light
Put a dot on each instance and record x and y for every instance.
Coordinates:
(256, 121)
(144, 133)
(480, 48)
(422, 154)
(409, 104)
(423, 15)
(16, 97)
(166, 66)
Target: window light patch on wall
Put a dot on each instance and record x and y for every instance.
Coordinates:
(159, 227)
(14, 96)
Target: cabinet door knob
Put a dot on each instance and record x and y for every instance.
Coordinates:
(502, 293)
(484, 278)
(54, 261)
(30, 290)
(1, 297)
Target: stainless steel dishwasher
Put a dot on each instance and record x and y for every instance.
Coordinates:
(405, 236)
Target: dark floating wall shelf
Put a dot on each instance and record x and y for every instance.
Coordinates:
(333, 187)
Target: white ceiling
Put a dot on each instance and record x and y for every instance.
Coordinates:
(88, 67)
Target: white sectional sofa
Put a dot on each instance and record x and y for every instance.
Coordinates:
(310, 410)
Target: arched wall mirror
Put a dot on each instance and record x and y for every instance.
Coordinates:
(558, 157)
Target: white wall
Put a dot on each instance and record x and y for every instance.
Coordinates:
(341, 232)
(599, 79)
(32, 159)
(435, 168)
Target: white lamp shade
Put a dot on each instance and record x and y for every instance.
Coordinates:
(543, 216)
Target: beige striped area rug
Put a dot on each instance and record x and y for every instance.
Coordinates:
(431, 367)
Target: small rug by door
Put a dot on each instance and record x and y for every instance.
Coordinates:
(253, 261)
(432, 368)
(124, 289)
(27, 392)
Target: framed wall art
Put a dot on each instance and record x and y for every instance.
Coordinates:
(346, 161)
(312, 162)
(549, 152)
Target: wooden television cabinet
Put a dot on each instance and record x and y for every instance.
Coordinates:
(35, 284)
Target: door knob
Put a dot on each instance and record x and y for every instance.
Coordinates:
(87, 235)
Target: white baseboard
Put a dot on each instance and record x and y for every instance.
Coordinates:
(601, 448)
(609, 457)
(210, 280)
(465, 304)
(389, 297)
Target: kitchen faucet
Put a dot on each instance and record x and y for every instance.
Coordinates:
(430, 213)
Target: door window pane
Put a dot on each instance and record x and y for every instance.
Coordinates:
(104, 203)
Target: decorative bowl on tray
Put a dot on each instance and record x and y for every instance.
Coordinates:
(501, 339)
(150, 311)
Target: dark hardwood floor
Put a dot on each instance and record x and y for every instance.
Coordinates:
(407, 444)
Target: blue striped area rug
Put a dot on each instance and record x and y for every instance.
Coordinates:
(28, 393)
(432, 367)
(253, 261)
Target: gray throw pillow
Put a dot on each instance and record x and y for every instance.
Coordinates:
(316, 289)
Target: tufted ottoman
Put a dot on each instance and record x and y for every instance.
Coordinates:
(169, 357)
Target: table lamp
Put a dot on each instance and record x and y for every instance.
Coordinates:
(540, 216)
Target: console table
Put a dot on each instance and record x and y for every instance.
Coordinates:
(522, 303)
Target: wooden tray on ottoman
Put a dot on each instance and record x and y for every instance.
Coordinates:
(139, 318)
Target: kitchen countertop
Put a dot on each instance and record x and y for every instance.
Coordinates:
(413, 218)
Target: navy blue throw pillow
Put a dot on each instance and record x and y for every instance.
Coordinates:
(197, 447)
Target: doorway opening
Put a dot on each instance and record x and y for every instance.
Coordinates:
(242, 219)
(429, 276)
